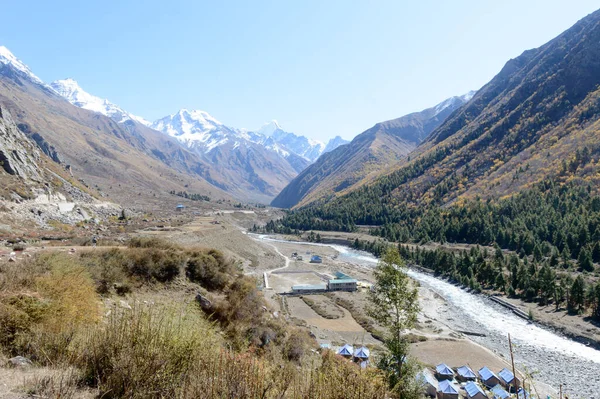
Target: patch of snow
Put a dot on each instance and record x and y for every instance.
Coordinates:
(8, 58)
(72, 92)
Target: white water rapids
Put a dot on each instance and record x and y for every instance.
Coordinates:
(558, 359)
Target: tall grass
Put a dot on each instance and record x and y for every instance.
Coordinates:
(51, 312)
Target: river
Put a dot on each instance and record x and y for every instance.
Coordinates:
(550, 357)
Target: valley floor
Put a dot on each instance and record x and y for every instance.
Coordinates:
(333, 319)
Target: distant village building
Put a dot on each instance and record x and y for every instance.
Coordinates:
(308, 288)
(347, 351)
(346, 284)
(447, 390)
(474, 391)
(429, 383)
(316, 259)
(443, 372)
(465, 374)
(507, 379)
(488, 377)
(179, 208)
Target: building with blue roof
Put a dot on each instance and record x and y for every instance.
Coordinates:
(488, 377)
(508, 380)
(430, 385)
(474, 391)
(521, 393)
(499, 393)
(346, 351)
(465, 373)
(447, 390)
(361, 353)
(443, 372)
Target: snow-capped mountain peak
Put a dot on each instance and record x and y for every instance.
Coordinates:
(72, 92)
(453, 100)
(269, 128)
(8, 58)
(196, 129)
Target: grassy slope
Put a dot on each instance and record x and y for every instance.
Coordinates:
(100, 151)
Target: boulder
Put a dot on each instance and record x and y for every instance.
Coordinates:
(20, 362)
(204, 302)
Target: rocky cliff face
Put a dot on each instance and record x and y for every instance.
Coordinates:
(18, 156)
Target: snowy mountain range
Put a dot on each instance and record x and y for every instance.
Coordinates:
(70, 90)
(198, 130)
(7, 58)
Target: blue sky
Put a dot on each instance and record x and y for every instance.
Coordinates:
(321, 68)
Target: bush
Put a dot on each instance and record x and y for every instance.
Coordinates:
(151, 242)
(210, 269)
(145, 352)
(154, 264)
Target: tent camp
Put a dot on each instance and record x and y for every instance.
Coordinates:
(465, 373)
(361, 353)
(447, 390)
(474, 391)
(488, 377)
(507, 379)
(428, 382)
(346, 351)
(499, 392)
(443, 372)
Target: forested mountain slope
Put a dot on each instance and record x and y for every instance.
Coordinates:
(537, 119)
(370, 153)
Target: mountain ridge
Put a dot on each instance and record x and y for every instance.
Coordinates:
(371, 152)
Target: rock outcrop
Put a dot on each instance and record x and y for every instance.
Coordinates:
(18, 156)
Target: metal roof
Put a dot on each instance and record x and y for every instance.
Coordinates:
(521, 393)
(446, 386)
(506, 375)
(309, 287)
(443, 369)
(343, 281)
(499, 392)
(466, 372)
(426, 377)
(473, 389)
(340, 275)
(486, 373)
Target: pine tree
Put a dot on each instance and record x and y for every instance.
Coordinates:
(577, 295)
(585, 260)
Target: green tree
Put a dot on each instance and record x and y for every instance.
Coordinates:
(577, 295)
(585, 260)
(394, 305)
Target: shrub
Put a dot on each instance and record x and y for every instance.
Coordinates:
(151, 242)
(210, 269)
(154, 264)
(145, 352)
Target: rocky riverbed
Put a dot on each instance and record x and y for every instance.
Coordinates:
(548, 356)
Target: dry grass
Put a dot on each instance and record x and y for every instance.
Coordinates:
(322, 309)
(50, 312)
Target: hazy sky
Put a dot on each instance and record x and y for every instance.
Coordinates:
(321, 68)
